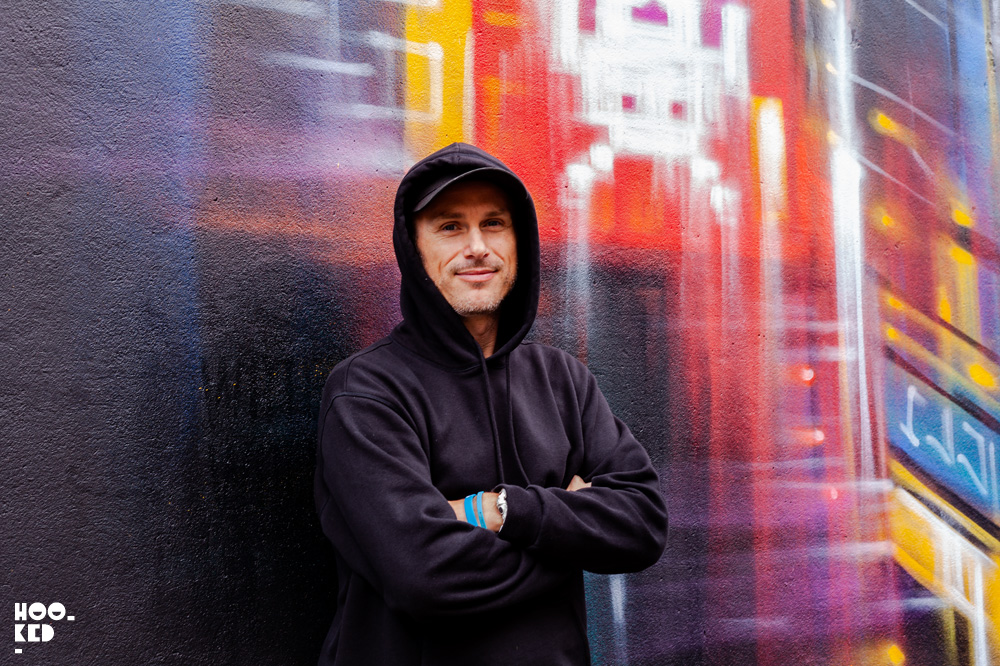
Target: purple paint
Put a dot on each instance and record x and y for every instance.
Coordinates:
(651, 12)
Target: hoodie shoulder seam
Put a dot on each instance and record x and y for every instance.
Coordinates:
(365, 352)
(374, 398)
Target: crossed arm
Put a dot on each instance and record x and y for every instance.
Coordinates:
(492, 514)
(395, 528)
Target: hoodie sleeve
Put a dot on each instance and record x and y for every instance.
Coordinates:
(393, 527)
(618, 525)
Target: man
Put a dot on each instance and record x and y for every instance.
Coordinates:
(465, 477)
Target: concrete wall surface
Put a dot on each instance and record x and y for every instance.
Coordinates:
(771, 229)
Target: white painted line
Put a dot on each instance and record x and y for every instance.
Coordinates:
(926, 13)
(295, 7)
(874, 167)
(902, 102)
(319, 64)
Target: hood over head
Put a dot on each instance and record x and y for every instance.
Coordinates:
(431, 327)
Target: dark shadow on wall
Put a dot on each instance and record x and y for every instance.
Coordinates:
(275, 319)
(162, 368)
(162, 429)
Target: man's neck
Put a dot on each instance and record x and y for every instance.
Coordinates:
(484, 329)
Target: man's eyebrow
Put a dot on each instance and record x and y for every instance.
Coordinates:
(458, 215)
(448, 215)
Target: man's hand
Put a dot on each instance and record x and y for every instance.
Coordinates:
(490, 511)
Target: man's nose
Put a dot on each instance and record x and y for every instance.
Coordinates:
(476, 245)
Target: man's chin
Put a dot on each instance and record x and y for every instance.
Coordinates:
(477, 310)
(469, 307)
(477, 300)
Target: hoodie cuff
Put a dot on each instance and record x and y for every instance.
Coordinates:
(524, 516)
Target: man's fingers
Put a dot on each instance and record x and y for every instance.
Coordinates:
(576, 483)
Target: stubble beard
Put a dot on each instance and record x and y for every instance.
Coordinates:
(470, 306)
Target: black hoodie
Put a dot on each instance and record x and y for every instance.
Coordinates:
(420, 418)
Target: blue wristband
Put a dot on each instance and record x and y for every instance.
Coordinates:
(470, 514)
(482, 519)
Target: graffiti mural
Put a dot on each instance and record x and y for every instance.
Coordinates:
(770, 228)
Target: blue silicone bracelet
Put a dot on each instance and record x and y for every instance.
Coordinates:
(470, 514)
(482, 519)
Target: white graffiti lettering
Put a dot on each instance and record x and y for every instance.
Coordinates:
(985, 477)
(907, 428)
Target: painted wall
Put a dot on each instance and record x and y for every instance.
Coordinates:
(770, 228)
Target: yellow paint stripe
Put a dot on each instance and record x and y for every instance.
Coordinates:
(914, 568)
(904, 478)
(981, 369)
(909, 345)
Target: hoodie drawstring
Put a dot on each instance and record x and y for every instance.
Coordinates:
(510, 424)
(497, 455)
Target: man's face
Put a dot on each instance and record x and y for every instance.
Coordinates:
(466, 240)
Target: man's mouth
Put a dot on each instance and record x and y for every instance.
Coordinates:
(476, 274)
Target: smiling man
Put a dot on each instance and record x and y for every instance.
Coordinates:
(466, 240)
(465, 476)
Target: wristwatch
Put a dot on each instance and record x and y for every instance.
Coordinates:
(502, 506)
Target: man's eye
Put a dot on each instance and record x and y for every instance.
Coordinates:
(451, 226)
(495, 223)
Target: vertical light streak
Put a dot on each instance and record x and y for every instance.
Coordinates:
(847, 221)
(846, 185)
(333, 28)
(565, 20)
(989, 26)
(617, 598)
(706, 80)
(469, 91)
(771, 167)
(580, 178)
(735, 68)
(726, 202)
(771, 158)
(979, 631)
(616, 583)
